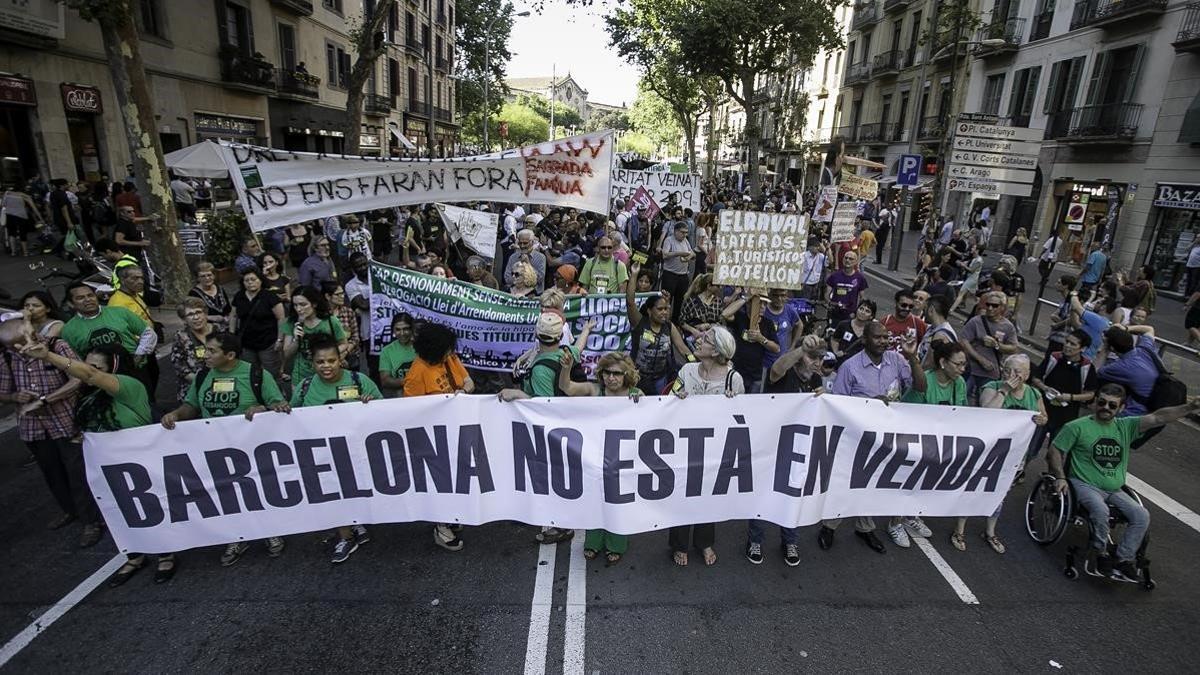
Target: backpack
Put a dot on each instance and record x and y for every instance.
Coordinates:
(1167, 391)
(304, 386)
(256, 381)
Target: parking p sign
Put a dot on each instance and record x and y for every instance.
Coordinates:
(908, 170)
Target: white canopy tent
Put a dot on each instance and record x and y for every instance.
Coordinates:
(200, 161)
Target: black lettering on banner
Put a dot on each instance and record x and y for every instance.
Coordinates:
(473, 461)
(695, 471)
(434, 456)
(821, 456)
(342, 189)
(613, 465)
(185, 487)
(565, 447)
(231, 468)
(966, 453)
(344, 466)
(278, 495)
(989, 473)
(786, 456)
(310, 471)
(308, 193)
(899, 458)
(529, 457)
(933, 462)
(865, 463)
(130, 486)
(735, 460)
(651, 445)
(388, 462)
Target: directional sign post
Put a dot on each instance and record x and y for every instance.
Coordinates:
(989, 187)
(989, 173)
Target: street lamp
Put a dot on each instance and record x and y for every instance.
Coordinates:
(487, 67)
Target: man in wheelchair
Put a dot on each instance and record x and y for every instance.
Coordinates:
(1096, 448)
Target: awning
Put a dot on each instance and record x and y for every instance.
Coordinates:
(394, 128)
(201, 160)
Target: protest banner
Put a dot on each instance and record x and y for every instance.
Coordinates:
(761, 249)
(661, 185)
(826, 201)
(844, 217)
(593, 462)
(857, 186)
(476, 229)
(641, 197)
(493, 327)
(278, 187)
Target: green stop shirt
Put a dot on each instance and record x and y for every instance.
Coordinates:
(130, 407)
(302, 365)
(113, 325)
(396, 358)
(954, 393)
(321, 392)
(230, 393)
(1098, 453)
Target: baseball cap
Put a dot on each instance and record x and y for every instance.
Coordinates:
(549, 327)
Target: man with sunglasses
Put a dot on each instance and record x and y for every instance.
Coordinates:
(1096, 450)
(903, 325)
(604, 273)
(987, 339)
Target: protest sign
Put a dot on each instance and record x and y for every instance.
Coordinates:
(826, 201)
(661, 185)
(857, 186)
(476, 229)
(761, 249)
(493, 327)
(844, 217)
(278, 187)
(641, 197)
(594, 462)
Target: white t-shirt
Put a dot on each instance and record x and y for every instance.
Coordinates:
(357, 241)
(694, 385)
(182, 192)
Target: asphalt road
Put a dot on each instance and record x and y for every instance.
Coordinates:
(403, 605)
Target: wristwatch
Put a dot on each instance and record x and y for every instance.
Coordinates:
(43, 399)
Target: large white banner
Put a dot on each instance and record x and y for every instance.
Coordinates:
(476, 229)
(625, 466)
(278, 187)
(660, 184)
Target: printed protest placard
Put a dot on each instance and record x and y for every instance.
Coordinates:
(844, 217)
(826, 201)
(661, 185)
(857, 186)
(476, 229)
(642, 197)
(760, 249)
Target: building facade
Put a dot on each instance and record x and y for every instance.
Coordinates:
(565, 89)
(269, 72)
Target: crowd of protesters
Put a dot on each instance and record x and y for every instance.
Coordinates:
(297, 333)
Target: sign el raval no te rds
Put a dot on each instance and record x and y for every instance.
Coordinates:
(761, 249)
(660, 184)
(277, 187)
(588, 462)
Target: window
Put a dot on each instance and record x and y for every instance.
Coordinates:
(1189, 131)
(238, 33)
(425, 37)
(438, 50)
(410, 28)
(151, 19)
(914, 36)
(287, 47)
(393, 23)
(902, 118)
(332, 5)
(450, 13)
(393, 79)
(1024, 90)
(1114, 75)
(337, 65)
(412, 87)
(993, 89)
(1063, 86)
(885, 111)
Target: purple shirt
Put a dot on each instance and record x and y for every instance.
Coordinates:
(859, 377)
(1135, 370)
(846, 288)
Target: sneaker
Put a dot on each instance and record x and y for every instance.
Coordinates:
(791, 555)
(1097, 564)
(360, 534)
(233, 553)
(917, 528)
(443, 536)
(342, 550)
(899, 535)
(274, 546)
(754, 552)
(1125, 570)
(92, 533)
(825, 538)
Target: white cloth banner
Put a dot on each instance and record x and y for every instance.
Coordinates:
(278, 187)
(476, 229)
(625, 466)
(660, 184)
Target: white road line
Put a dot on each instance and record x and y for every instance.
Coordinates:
(574, 640)
(58, 609)
(539, 611)
(1183, 513)
(948, 573)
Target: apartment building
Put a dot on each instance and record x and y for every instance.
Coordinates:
(270, 72)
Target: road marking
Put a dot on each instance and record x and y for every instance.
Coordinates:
(574, 640)
(948, 573)
(1183, 513)
(539, 611)
(58, 609)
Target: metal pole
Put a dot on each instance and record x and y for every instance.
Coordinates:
(918, 111)
(429, 91)
(553, 97)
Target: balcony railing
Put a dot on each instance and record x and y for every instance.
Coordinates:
(871, 133)
(932, 129)
(413, 46)
(890, 5)
(761, 94)
(299, 84)
(1015, 121)
(301, 7)
(1107, 12)
(895, 132)
(246, 72)
(888, 63)
(1010, 31)
(1041, 26)
(440, 63)
(375, 104)
(1188, 39)
(847, 133)
(858, 72)
(1104, 123)
(417, 107)
(865, 13)
(443, 114)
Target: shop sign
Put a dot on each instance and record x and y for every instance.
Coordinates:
(1177, 196)
(221, 125)
(368, 140)
(81, 98)
(17, 90)
(1077, 209)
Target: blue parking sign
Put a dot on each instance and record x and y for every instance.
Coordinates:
(908, 170)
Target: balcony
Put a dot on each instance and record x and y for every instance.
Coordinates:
(945, 46)
(865, 14)
(846, 133)
(895, 132)
(298, 84)
(1104, 124)
(857, 73)
(441, 63)
(375, 104)
(441, 18)
(1041, 26)
(1010, 31)
(1015, 121)
(891, 5)
(932, 129)
(247, 73)
(888, 64)
(1111, 12)
(1188, 39)
(871, 134)
(761, 95)
(443, 114)
(414, 47)
(299, 7)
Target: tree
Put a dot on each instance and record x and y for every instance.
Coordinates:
(369, 43)
(525, 125)
(564, 115)
(652, 117)
(608, 119)
(635, 141)
(481, 55)
(122, 47)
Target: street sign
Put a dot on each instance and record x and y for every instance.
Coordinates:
(993, 159)
(908, 170)
(989, 173)
(997, 133)
(992, 145)
(984, 118)
(990, 187)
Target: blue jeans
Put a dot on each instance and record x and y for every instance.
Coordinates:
(755, 533)
(1097, 501)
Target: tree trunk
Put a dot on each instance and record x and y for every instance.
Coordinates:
(368, 53)
(122, 47)
(752, 132)
(710, 161)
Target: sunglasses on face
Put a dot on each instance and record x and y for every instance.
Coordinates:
(909, 306)
(613, 373)
(992, 304)
(605, 248)
(1110, 405)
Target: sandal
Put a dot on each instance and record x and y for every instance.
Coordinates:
(959, 541)
(994, 542)
(553, 535)
(680, 558)
(613, 558)
(710, 557)
(126, 572)
(590, 554)
(166, 570)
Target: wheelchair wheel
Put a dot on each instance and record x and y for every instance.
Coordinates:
(1047, 513)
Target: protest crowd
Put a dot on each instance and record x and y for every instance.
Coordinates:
(298, 331)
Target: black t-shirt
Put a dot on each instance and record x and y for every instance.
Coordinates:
(792, 383)
(748, 359)
(131, 232)
(58, 200)
(256, 319)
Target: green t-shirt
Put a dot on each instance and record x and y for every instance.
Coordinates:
(230, 393)
(396, 358)
(935, 393)
(113, 325)
(130, 407)
(302, 366)
(321, 392)
(543, 374)
(1098, 453)
(599, 277)
(1028, 400)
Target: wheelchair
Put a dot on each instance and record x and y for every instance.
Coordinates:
(1049, 514)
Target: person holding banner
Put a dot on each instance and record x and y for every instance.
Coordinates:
(652, 339)
(310, 315)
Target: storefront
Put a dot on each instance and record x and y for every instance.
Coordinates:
(83, 106)
(1176, 218)
(18, 154)
(214, 126)
(1085, 212)
(305, 127)
(415, 131)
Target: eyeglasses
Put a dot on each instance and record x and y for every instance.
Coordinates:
(993, 305)
(909, 306)
(958, 364)
(605, 248)
(1110, 405)
(613, 373)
